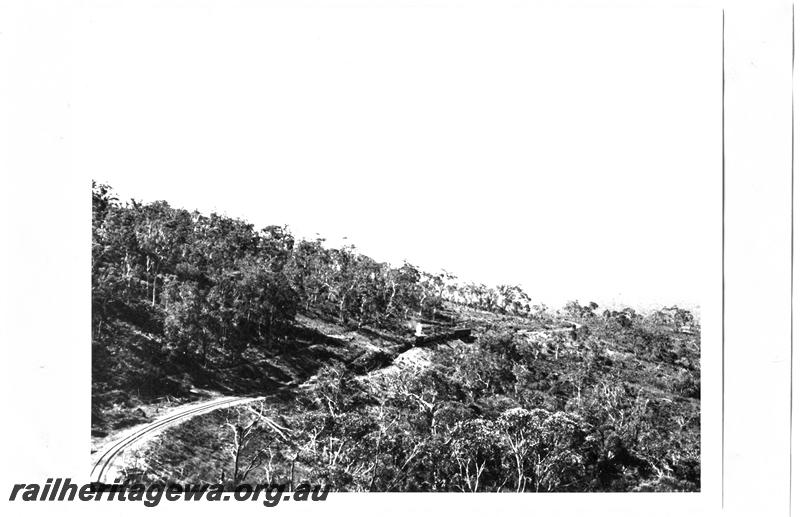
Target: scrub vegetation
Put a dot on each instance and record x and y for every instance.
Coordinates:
(503, 394)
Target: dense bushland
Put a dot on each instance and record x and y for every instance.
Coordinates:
(581, 399)
(215, 286)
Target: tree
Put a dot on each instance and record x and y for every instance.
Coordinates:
(545, 448)
(477, 452)
(513, 299)
(244, 429)
(309, 271)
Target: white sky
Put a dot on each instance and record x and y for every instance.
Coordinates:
(574, 152)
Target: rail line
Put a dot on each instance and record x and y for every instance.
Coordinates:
(100, 468)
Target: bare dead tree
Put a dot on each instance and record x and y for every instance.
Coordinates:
(243, 431)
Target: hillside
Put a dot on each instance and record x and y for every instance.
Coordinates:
(502, 395)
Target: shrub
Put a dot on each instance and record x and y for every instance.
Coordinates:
(688, 384)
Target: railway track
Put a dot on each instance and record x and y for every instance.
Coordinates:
(103, 466)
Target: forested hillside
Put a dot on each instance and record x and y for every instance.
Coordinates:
(579, 399)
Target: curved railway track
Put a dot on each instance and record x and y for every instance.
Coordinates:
(101, 467)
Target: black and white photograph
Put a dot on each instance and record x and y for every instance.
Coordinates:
(424, 289)
(284, 254)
